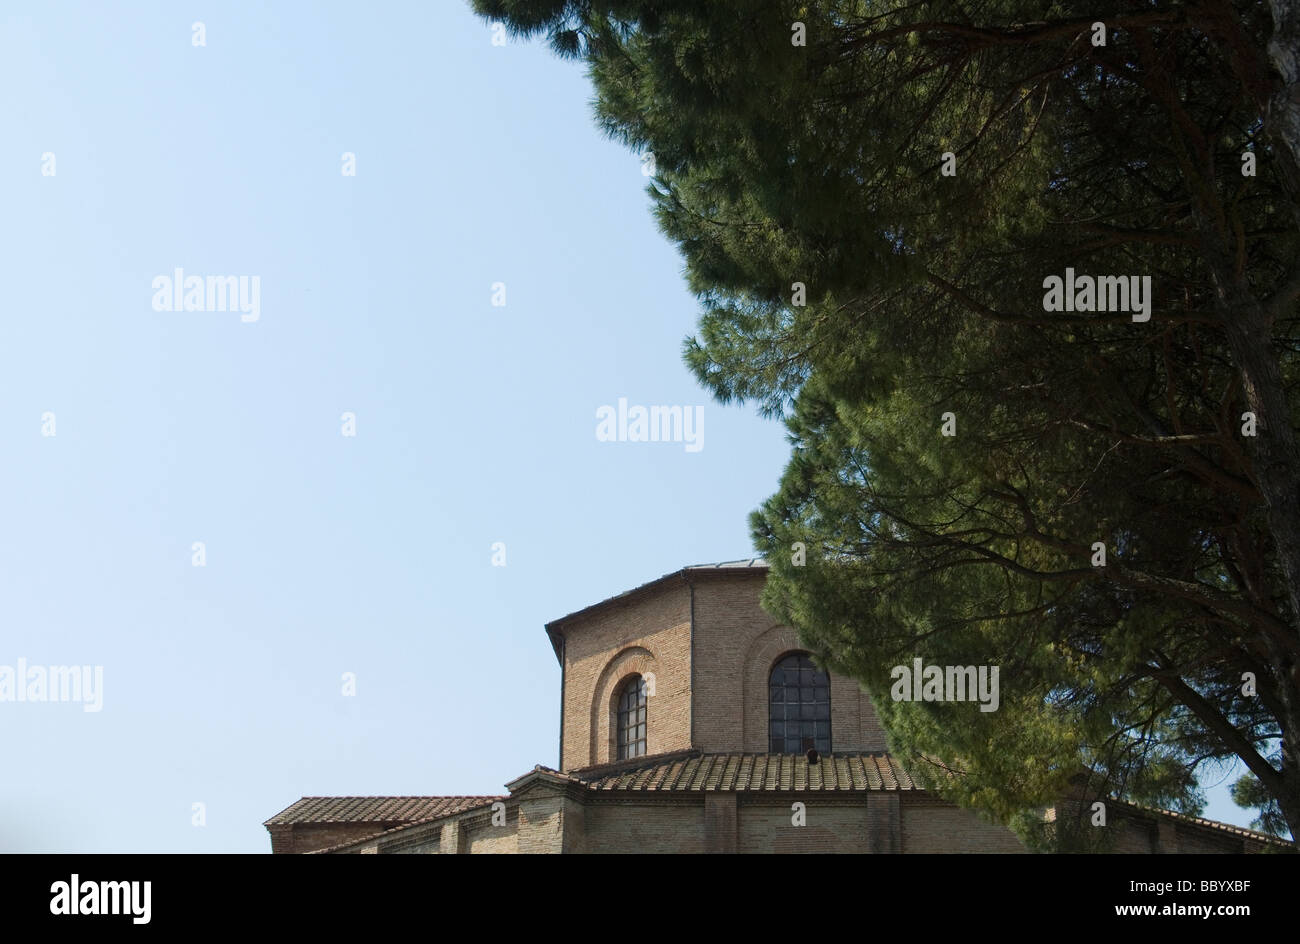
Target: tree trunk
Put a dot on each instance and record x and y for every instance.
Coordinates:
(1275, 455)
(1283, 118)
(1274, 448)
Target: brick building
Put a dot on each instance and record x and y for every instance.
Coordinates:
(692, 722)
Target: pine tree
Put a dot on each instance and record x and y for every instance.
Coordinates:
(871, 198)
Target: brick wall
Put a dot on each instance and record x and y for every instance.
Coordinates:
(931, 826)
(308, 837)
(557, 819)
(491, 839)
(763, 824)
(551, 822)
(666, 826)
(428, 846)
(648, 634)
(736, 645)
(1137, 834)
(830, 825)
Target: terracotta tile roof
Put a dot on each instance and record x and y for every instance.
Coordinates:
(387, 829)
(752, 772)
(391, 810)
(745, 563)
(584, 774)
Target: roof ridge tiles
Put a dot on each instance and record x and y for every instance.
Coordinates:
(374, 809)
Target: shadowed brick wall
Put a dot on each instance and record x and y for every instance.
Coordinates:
(931, 825)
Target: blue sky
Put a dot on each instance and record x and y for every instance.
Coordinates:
(325, 554)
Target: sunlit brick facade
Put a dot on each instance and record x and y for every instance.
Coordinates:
(699, 654)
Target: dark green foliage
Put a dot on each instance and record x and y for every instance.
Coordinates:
(820, 164)
(1250, 793)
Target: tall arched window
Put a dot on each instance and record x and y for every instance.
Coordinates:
(799, 707)
(632, 718)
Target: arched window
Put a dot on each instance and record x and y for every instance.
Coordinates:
(799, 707)
(631, 718)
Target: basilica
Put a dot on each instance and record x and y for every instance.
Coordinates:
(692, 722)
